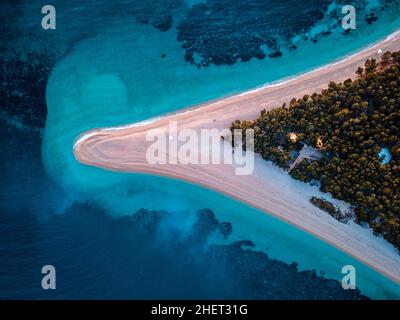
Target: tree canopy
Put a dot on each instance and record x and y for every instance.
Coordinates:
(349, 122)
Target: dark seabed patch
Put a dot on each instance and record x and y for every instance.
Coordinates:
(223, 32)
(146, 255)
(158, 13)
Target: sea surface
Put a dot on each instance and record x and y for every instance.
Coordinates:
(115, 235)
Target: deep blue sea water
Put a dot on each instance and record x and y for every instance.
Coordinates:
(111, 63)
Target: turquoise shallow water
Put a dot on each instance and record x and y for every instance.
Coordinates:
(118, 76)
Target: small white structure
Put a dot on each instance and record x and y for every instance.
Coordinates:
(308, 153)
(384, 156)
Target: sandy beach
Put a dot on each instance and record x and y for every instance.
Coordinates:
(269, 188)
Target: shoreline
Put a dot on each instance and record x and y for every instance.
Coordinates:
(200, 106)
(107, 148)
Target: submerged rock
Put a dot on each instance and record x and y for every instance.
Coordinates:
(225, 228)
(371, 18)
(275, 54)
(163, 23)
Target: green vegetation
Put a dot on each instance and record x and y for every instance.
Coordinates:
(334, 211)
(349, 123)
